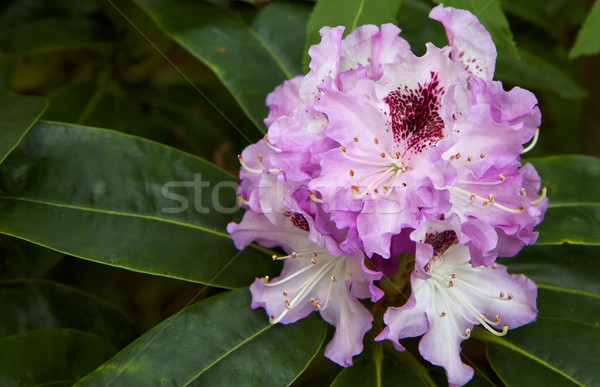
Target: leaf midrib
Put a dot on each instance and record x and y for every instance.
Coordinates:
(117, 213)
(224, 355)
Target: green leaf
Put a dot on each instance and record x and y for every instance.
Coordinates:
(219, 341)
(245, 62)
(492, 17)
(549, 352)
(387, 372)
(283, 27)
(53, 356)
(350, 14)
(531, 71)
(531, 12)
(567, 279)
(35, 304)
(574, 207)
(17, 115)
(570, 179)
(126, 202)
(587, 42)
(20, 259)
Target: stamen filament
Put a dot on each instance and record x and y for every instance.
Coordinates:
(246, 167)
(542, 196)
(533, 142)
(473, 196)
(271, 145)
(366, 162)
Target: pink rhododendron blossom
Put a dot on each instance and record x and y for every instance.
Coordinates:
(376, 153)
(312, 279)
(455, 297)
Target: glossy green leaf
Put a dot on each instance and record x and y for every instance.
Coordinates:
(20, 259)
(17, 115)
(243, 60)
(587, 42)
(490, 14)
(53, 357)
(531, 71)
(126, 202)
(385, 372)
(351, 14)
(219, 341)
(550, 352)
(283, 27)
(571, 224)
(573, 215)
(567, 279)
(35, 304)
(570, 179)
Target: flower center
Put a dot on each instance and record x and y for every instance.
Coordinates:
(321, 264)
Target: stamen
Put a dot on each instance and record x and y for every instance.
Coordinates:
(285, 293)
(494, 266)
(271, 145)
(246, 167)
(397, 154)
(313, 261)
(502, 177)
(470, 158)
(502, 294)
(443, 314)
(377, 180)
(259, 158)
(382, 155)
(355, 139)
(266, 279)
(351, 173)
(510, 296)
(533, 142)
(468, 332)
(332, 279)
(243, 201)
(366, 162)
(376, 140)
(482, 155)
(473, 196)
(523, 192)
(542, 196)
(315, 198)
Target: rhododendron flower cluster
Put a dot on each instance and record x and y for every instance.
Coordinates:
(378, 152)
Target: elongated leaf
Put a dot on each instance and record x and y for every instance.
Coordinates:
(587, 42)
(126, 202)
(574, 209)
(350, 14)
(567, 279)
(17, 114)
(20, 259)
(35, 304)
(53, 356)
(490, 14)
(571, 224)
(246, 63)
(385, 372)
(549, 352)
(531, 71)
(219, 341)
(283, 27)
(570, 179)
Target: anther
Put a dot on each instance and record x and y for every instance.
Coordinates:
(443, 314)
(259, 158)
(494, 266)
(468, 332)
(332, 279)
(497, 319)
(491, 197)
(344, 148)
(502, 177)
(485, 203)
(458, 156)
(376, 140)
(473, 196)
(470, 158)
(404, 184)
(355, 139)
(274, 257)
(542, 196)
(313, 261)
(510, 296)
(523, 192)
(285, 293)
(382, 155)
(385, 188)
(451, 283)
(482, 155)
(453, 276)
(521, 209)
(287, 302)
(294, 255)
(351, 172)
(397, 154)
(266, 279)
(502, 294)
